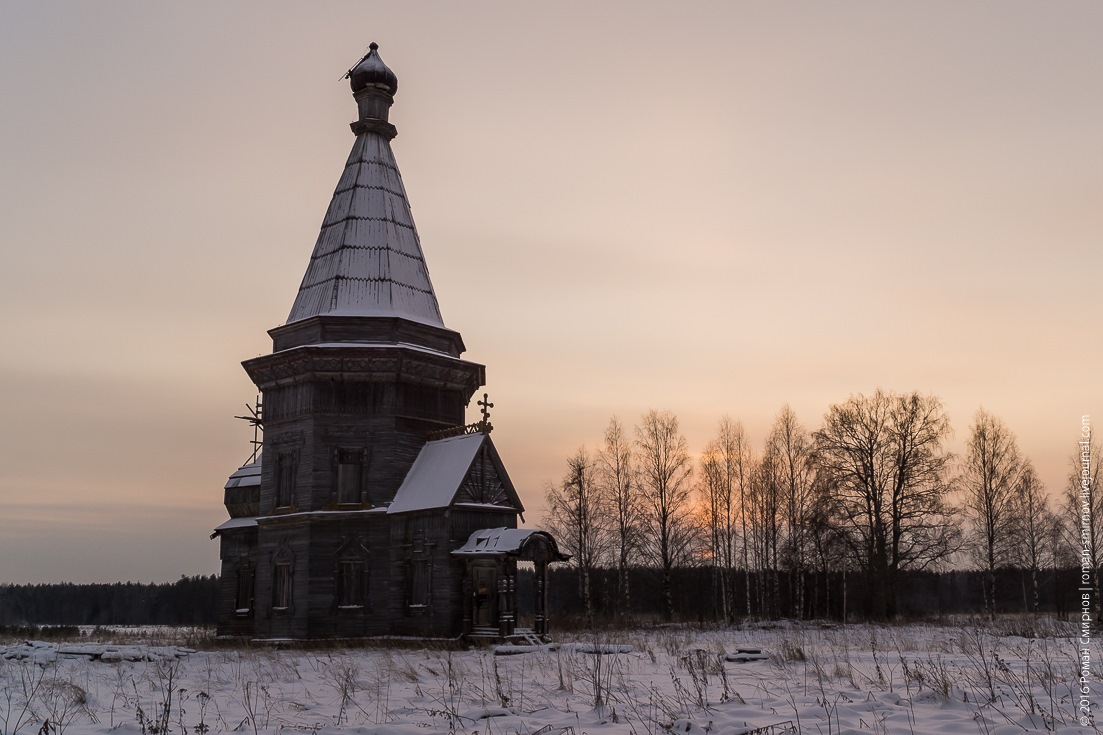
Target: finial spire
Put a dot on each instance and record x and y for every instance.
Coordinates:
(367, 261)
(373, 87)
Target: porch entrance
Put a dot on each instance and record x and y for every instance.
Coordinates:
(490, 557)
(484, 602)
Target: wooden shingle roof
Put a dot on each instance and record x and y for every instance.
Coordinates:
(368, 260)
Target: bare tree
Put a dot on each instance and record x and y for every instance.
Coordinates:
(711, 491)
(828, 543)
(992, 472)
(576, 517)
(724, 479)
(616, 472)
(1033, 527)
(733, 437)
(792, 446)
(886, 468)
(765, 504)
(665, 470)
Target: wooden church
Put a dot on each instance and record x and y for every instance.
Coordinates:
(373, 510)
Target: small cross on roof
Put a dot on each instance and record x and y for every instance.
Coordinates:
(487, 405)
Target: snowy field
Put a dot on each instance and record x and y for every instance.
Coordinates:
(919, 680)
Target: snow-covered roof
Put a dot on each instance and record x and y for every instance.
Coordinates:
(368, 259)
(437, 472)
(245, 476)
(499, 541)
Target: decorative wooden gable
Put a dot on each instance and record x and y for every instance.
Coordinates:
(486, 481)
(462, 470)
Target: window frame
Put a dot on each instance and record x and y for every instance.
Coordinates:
(421, 582)
(286, 468)
(282, 586)
(245, 591)
(349, 476)
(351, 584)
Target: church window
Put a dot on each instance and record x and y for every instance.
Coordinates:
(419, 582)
(350, 475)
(350, 583)
(281, 586)
(243, 601)
(285, 479)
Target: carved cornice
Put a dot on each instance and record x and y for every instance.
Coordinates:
(377, 364)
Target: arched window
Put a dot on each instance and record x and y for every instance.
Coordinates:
(281, 586)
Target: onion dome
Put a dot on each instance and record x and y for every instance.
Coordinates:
(372, 72)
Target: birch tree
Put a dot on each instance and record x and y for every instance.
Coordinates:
(792, 446)
(711, 492)
(765, 514)
(618, 488)
(992, 472)
(665, 471)
(1033, 527)
(724, 479)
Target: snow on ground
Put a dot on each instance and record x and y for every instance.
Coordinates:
(918, 680)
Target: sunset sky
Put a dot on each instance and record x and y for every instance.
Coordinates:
(712, 208)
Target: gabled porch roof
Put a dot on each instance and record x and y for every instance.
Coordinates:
(440, 469)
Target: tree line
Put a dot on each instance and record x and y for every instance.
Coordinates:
(187, 601)
(848, 510)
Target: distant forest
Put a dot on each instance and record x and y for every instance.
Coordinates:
(696, 592)
(187, 601)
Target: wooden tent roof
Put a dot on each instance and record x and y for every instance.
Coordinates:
(368, 260)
